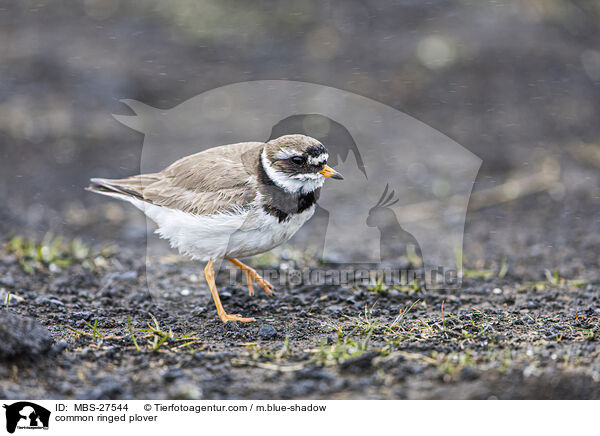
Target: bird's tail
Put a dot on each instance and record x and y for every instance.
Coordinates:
(126, 189)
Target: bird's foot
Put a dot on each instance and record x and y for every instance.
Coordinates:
(252, 275)
(225, 317)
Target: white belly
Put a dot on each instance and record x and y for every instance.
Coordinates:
(262, 232)
(204, 237)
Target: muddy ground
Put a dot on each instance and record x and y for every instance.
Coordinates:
(516, 83)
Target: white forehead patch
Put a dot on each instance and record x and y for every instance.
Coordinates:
(318, 160)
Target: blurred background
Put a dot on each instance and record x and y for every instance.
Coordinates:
(517, 82)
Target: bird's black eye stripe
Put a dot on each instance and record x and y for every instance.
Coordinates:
(298, 160)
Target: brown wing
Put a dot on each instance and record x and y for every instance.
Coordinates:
(220, 179)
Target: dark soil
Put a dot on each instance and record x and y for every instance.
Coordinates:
(494, 338)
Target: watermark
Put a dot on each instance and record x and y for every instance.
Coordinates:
(24, 415)
(350, 276)
(401, 206)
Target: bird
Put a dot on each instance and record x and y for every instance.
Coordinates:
(395, 242)
(230, 201)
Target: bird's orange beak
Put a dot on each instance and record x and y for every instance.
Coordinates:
(327, 171)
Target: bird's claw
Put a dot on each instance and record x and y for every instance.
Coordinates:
(252, 275)
(225, 317)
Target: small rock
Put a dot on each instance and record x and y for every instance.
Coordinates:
(509, 300)
(125, 276)
(173, 373)
(335, 309)
(12, 298)
(266, 332)
(468, 373)
(59, 346)
(81, 315)
(65, 388)
(22, 337)
(198, 310)
(358, 364)
(129, 275)
(111, 352)
(184, 390)
(88, 353)
(51, 301)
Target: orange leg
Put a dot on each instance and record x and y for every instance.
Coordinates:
(251, 275)
(209, 275)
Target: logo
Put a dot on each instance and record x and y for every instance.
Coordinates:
(26, 415)
(402, 204)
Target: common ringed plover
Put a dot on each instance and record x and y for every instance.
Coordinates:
(235, 200)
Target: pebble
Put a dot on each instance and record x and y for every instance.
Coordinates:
(22, 337)
(266, 332)
(198, 310)
(65, 388)
(59, 346)
(81, 315)
(358, 364)
(334, 309)
(125, 276)
(468, 373)
(173, 373)
(12, 298)
(45, 300)
(184, 389)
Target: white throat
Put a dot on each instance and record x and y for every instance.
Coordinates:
(303, 183)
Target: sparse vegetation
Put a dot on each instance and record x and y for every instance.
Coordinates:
(52, 253)
(340, 351)
(378, 286)
(93, 333)
(157, 337)
(132, 334)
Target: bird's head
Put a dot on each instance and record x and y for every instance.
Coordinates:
(381, 215)
(297, 163)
